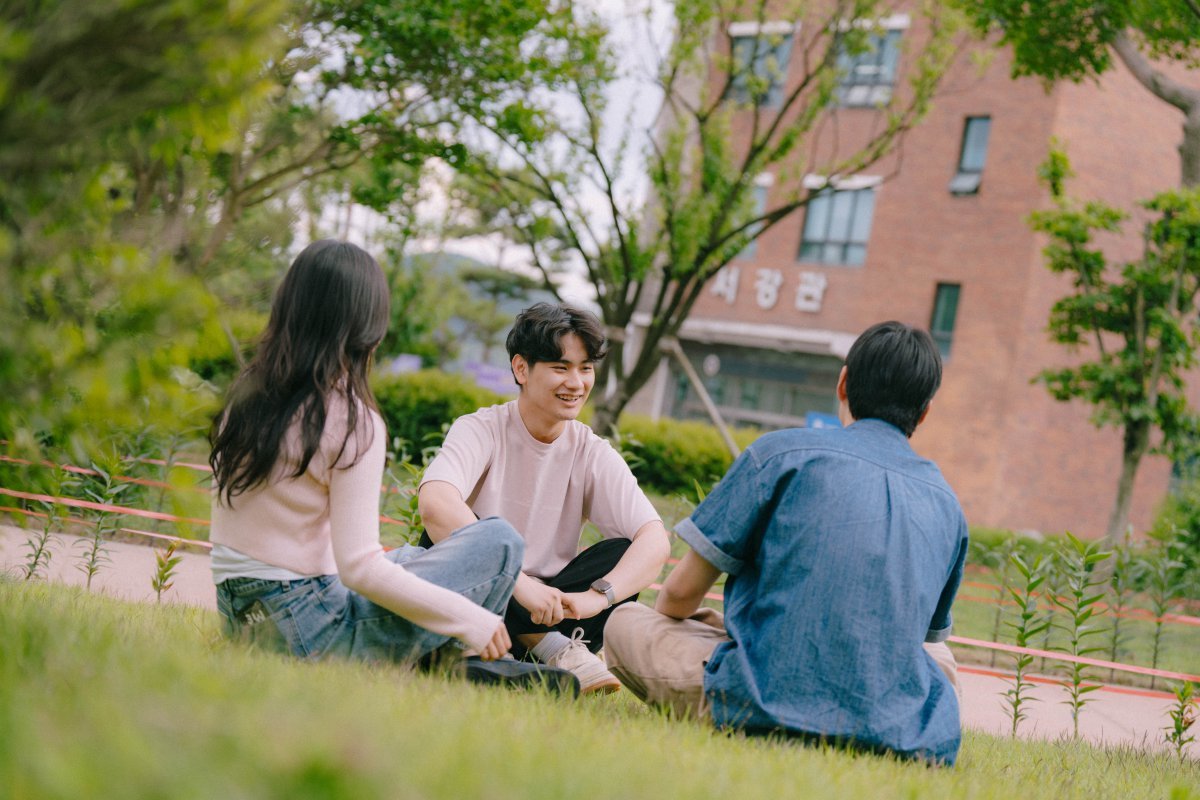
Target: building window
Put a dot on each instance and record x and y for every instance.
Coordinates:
(972, 156)
(837, 225)
(760, 206)
(868, 71)
(760, 60)
(765, 388)
(945, 309)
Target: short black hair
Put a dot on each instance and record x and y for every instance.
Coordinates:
(537, 333)
(892, 373)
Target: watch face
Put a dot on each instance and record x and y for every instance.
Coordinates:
(605, 588)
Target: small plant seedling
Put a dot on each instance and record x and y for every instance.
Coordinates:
(1050, 590)
(164, 570)
(1030, 621)
(999, 560)
(1158, 572)
(401, 478)
(104, 489)
(38, 545)
(1183, 717)
(1120, 590)
(1075, 562)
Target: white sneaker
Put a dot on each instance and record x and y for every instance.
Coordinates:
(588, 668)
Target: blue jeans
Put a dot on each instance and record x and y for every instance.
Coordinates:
(319, 617)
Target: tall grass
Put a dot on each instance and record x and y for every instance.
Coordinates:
(106, 699)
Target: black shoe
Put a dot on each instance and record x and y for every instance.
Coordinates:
(521, 674)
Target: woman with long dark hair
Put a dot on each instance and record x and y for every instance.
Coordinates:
(298, 456)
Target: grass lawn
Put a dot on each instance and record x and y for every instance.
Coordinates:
(100, 698)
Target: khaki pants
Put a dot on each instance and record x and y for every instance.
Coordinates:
(661, 660)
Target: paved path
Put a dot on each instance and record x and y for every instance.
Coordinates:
(1115, 716)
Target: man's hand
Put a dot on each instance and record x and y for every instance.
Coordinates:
(583, 605)
(545, 603)
(498, 646)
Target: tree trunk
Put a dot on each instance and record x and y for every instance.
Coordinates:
(607, 410)
(1185, 98)
(649, 355)
(1137, 442)
(1189, 148)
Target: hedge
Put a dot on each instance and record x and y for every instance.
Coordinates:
(418, 407)
(673, 457)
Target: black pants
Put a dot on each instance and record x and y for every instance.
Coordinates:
(577, 576)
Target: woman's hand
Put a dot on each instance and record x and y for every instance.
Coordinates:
(499, 644)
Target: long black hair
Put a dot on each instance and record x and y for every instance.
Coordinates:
(329, 314)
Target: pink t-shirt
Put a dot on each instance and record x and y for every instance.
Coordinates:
(326, 522)
(545, 491)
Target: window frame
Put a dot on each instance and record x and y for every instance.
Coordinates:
(943, 336)
(853, 89)
(858, 187)
(761, 189)
(968, 177)
(777, 39)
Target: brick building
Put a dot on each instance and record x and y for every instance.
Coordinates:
(940, 240)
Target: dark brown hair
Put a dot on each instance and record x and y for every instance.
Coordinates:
(329, 314)
(537, 333)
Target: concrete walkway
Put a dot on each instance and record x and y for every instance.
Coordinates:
(1115, 715)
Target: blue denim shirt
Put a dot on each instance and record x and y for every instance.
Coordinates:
(844, 551)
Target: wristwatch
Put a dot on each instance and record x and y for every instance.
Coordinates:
(605, 588)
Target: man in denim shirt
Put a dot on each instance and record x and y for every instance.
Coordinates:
(844, 550)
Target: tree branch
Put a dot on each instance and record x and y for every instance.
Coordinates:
(1185, 98)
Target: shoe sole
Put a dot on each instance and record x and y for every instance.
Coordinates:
(556, 681)
(603, 687)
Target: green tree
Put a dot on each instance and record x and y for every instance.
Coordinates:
(363, 94)
(485, 319)
(652, 252)
(96, 325)
(424, 301)
(151, 156)
(1077, 39)
(1140, 318)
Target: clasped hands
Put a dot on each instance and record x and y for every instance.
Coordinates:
(550, 606)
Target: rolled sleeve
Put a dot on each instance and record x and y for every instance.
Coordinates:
(935, 636)
(687, 530)
(725, 526)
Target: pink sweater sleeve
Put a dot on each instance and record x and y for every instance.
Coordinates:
(362, 567)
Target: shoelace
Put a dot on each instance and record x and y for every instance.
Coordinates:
(577, 638)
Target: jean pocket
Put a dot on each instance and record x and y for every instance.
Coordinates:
(313, 617)
(252, 620)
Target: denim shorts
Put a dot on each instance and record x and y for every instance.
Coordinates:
(319, 617)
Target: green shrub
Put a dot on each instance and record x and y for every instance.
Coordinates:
(418, 407)
(670, 456)
(1178, 526)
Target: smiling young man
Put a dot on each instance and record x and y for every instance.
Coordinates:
(531, 462)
